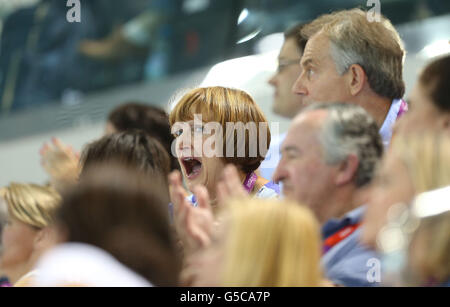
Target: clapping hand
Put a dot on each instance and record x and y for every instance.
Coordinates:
(193, 224)
(60, 162)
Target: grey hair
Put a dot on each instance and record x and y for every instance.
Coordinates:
(375, 46)
(349, 129)
(343, 59)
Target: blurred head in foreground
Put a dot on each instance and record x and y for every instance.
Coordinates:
(429, 103)
(415, 242)
(123, 213)
(263, 244)
(414, 164)
(428, 259)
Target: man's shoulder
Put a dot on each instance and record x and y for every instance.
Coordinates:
(351, 264)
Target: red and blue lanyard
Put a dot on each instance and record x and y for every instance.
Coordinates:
(338, 236)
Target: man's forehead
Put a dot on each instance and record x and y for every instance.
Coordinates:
(316, 47)
(289, 49)
(312, 118)
(305, 125)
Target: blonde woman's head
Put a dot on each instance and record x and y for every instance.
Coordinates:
(264, 243)
(428, 259)
(31, 204)
(30, 210)
(414, 164)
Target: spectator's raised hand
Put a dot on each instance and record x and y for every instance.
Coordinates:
(230, 186)
(193, 224)
(60, 162)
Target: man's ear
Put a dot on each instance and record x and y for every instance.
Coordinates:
(357, 79)
(347, 170)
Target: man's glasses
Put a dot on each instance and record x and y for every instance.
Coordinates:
(282, 64)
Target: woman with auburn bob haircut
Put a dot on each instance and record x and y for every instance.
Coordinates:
(210, 115)
(262, 243)
(26, 236)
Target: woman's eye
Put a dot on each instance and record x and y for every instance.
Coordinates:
(178, 133)
(310, 72)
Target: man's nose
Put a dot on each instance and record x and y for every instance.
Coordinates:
(279, 174)
(299, 87)
(272, 80)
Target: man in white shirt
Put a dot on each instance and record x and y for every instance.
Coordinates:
(285, 102)
(348, 58)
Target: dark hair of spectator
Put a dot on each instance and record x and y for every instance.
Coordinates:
(295, 33)
(435, 79)
(124, 212)
(150, 119)
(133, 148)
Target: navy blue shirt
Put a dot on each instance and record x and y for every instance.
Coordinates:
(349, 263)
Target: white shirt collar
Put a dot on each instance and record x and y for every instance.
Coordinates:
(388, 124)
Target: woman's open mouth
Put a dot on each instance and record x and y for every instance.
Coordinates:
(192, 167)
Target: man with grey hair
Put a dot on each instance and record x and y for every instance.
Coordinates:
(348, 58)
(328, 157)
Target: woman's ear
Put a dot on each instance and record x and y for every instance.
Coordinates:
(347, 170)
(446, 122)
(47, 237)
(357, 79)
(41, 237)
